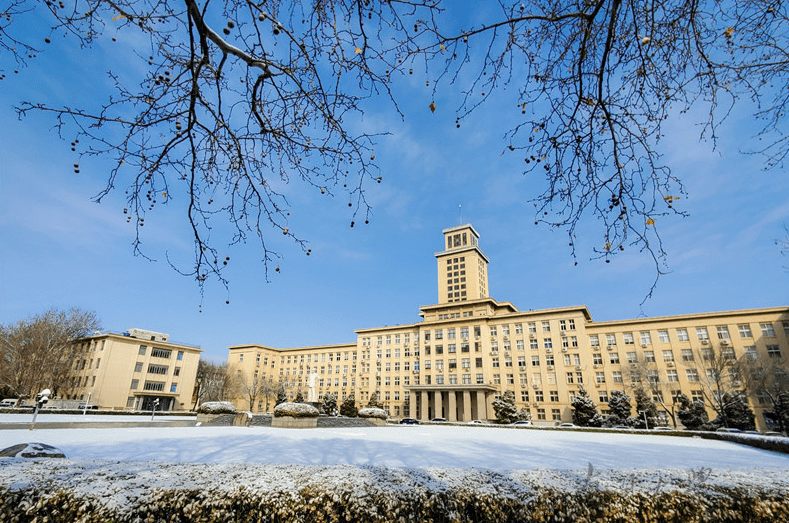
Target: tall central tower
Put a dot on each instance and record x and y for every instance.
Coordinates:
(462, 266)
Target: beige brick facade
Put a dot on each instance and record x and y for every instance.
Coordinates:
(129, 372)
(469, 348)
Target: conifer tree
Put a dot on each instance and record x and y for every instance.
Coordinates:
(374, 402)
(348, 407)
(504, 407)
(691, 414)
(619, 404)
(329, 404)
(585, 410)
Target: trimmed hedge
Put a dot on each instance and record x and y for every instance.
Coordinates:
(375, 494)
(295, 410)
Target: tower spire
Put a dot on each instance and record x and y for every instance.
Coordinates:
(460, 212)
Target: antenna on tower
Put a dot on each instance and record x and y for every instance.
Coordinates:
(460, 212)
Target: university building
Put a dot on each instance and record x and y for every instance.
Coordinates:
(469, 348)
(130, 371)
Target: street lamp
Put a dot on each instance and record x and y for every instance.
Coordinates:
(153, 409)
(41, 399)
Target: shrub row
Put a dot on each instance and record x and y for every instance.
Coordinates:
(412, 496)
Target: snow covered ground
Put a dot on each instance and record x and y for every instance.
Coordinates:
(418, 446)
(49, 417)
(123, 468)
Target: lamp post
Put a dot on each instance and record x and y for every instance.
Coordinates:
(153, 409)
(85, 406)
(41, 398)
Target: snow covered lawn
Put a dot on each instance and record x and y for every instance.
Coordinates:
(416, 446)
(427, 473)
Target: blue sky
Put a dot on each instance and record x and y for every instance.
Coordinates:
(59, 249)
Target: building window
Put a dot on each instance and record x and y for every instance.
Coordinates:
(157, 386)
(166, 353)
(702, 334)
(617, 376)
(594, 340)
(697, 395)
(546, 326)
(663, 336)
(631, 357)
(138, 367)
(181, 355)
(538, 395)
(602, 396)
(173, 387)
(646, 338)
(134, 384)
(687, 355)
(745, 331)
(668, 355)
(693, 375)
(541, 414)
(614, 358)
(533, 344)
(599, 377)
(518, 328)
(556, 414)
(547, 343)
(495, 362)
(532, 328)
(480, 379)
(682, 335)
(570, 377)
(767, 330)
(723, 333)
(750, 352)
(610, 339)
(158, 369)
(629, 339)
(773, 351)
(535, 361)
(142, 350)
(649, 356)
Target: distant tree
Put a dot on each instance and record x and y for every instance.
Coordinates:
(242, 95)
(720, 377)
(778, 414)
(40, 352)
(329, 404)
(735, 414)
(585, 410)
(768, 379)
(619, 405)
(504, 407)
(645, 374)
(348, 407)
(214, 382)
(282, 395)
(299, 397)
(374, 402)
(692, 414)
(524, 415)
(645, 407)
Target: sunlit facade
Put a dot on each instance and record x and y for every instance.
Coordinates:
(130, 371)
(470, 348)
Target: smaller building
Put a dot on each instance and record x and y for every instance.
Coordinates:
(131, 370)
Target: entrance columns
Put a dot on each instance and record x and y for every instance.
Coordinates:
(452, 406)
(467, 406)
(424, 415)
(481, 412)
(489, 402)
(438, 402)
